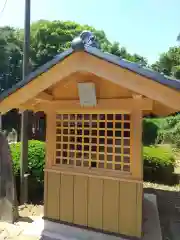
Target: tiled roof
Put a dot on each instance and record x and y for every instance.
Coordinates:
(79, 46)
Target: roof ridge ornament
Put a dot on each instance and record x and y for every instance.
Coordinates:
(86, 38)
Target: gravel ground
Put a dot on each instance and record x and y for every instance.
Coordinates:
(31, 210)
(175, 188)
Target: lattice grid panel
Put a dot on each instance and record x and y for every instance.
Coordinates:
(93, 140)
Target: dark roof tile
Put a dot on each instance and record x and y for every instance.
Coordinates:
(131, 66)
(135, 67)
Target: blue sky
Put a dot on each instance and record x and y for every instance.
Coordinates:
(147, 27)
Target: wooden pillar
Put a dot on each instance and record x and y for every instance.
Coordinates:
(50, 151)
(136, 142)
(50, 139)
(24, 159)
(137, 160)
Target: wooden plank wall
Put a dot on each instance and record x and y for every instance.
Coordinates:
(106, 204)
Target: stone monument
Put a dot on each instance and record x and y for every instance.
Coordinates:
(8, 198)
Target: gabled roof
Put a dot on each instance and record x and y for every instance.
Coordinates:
(79, 46)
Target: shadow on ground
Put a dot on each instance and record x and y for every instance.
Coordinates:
(166, 201)
(25, 219)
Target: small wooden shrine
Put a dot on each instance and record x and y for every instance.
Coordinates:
(94, 103)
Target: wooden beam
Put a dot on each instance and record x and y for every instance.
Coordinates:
(137, 96)
(43, 96)
(105, 105)
(162, 110)
(57, 73)
(29, 105)
(132, 81)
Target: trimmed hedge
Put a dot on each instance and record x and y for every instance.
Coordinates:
(36, 158)
(36, 161)
(159, 164)
(158, 156)
(150, 131)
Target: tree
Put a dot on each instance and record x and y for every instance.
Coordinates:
(50, 38)
(115, 49)
(10, 57)
(139, 59)
(176, 71)
(178, 37)
(122, 52)
(168, 62)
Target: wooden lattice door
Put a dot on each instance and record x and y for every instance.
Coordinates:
(94, 140)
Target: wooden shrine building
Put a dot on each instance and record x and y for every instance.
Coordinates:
(94, 103)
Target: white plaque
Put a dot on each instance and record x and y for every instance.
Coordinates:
(87, 94)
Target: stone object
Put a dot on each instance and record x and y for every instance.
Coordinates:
(8, 198)
(12, 136)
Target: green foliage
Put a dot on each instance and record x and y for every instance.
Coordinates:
(52, 37)
(170, 131)
(176, 71)
(150, 131)
(158, 156)
(36, 158)
(159, 160)
(151, 128)
(169, 62)
(159, 164)
(176, 135)
(170, 122)
(10, 57)
(48, 38)
(162, 130)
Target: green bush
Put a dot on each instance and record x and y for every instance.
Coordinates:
(170, 122)
(159, 156)
(170, 131)
(159, 164)
(161, 130)
(36, 158)
(150, 131)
